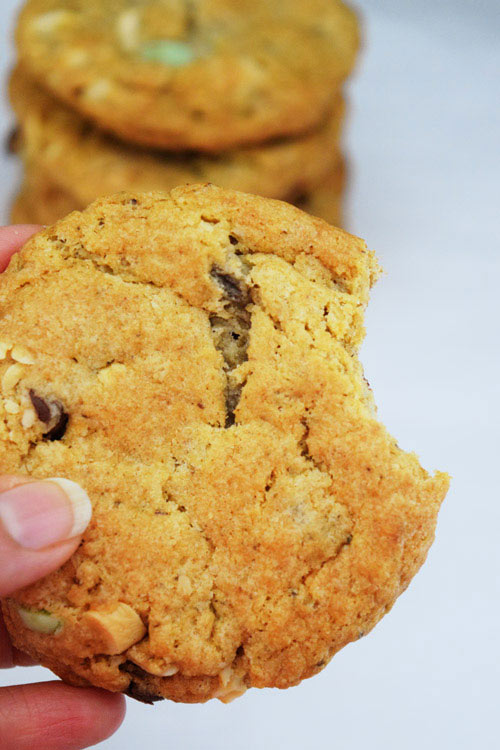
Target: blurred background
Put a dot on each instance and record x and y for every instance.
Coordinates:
(423, 139)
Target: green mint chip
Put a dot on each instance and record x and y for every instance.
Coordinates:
(40, 621)
(168, 52)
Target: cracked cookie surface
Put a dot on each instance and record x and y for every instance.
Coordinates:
(191, 359)
(192, 74)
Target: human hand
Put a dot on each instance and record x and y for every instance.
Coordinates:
(40, 527)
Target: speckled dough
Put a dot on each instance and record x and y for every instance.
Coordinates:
(192, 74)
(88, 164)
(190, 359)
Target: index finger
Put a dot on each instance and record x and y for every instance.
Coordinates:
(12, 239)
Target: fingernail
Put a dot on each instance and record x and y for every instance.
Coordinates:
(39, 514)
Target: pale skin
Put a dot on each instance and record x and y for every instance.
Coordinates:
(48, 715)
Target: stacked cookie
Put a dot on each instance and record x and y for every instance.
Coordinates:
(143, 95)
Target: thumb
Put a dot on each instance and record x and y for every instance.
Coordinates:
(41, 523)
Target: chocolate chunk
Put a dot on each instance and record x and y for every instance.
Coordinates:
(50, 412)
(134, 669)
(139, 693)
(59, 429)
(233, 240)
(41, 407)
(231, 286)
(136, 689)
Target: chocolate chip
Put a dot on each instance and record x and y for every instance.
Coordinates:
(349, 539)
(231, 286)
(133, 202)
(136, 689)
(50, 412)
(233, 240)
(59, 429)
(130, 668)
(41, 407)
(139, 693)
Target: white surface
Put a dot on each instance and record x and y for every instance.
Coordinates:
(425, 143)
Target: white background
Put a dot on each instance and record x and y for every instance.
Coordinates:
(424, 140)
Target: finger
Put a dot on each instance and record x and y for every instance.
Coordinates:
(54, 716)
(12, 239)
(41, 523)
(9, 655)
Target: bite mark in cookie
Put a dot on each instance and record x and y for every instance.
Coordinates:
(250, 515)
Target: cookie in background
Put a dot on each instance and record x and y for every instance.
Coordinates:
(123, 95)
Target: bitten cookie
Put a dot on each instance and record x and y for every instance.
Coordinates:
(87, 164)
(192, 74)
(191, 360)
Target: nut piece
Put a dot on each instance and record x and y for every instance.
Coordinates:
(49, 22)
(11, 407)
(4, 349)
(230, 697)
(232, 686)
(40, 620)
(128, 28)
(28, 419)
(146, 663)
(12, 376)
(118, 627)
(100, 89)
(22, 355)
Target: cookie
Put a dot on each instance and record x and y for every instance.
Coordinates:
(89, 164)
(191, 360)
(42, 201)
(209, 75)
(326, 199)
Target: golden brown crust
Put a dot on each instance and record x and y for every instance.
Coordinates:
(87, 164)
(208, 75)
(248, 507)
